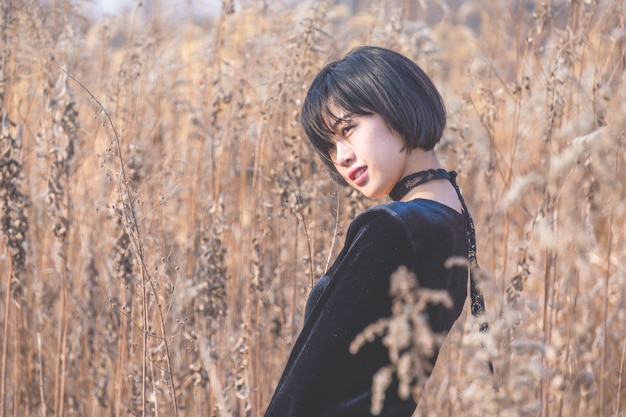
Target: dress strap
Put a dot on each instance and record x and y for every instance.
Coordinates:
(478, 303)
(413, 180)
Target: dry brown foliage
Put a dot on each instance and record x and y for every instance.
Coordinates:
(163, 217)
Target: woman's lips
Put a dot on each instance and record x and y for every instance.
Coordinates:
(359, 175)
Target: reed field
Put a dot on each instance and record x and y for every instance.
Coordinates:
(163, 216)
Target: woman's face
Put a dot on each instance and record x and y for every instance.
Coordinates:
(368, 154)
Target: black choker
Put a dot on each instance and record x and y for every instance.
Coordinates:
(411, 181)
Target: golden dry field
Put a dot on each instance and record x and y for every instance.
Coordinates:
(163, 217)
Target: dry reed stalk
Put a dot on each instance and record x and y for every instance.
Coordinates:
(207, 129)
(5, 342)
(14, 224)
(131, 226)
(605, 315)
(41, 384)
(407, 336)
(7, 142)
(61, 141)
(619, 383)
(559, 282)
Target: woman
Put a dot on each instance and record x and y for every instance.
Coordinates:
(374, 118)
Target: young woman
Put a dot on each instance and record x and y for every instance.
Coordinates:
(374, 118)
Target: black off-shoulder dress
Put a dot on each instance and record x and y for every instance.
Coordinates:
(322, 378)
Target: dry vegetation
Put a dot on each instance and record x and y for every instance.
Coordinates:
(163, 217)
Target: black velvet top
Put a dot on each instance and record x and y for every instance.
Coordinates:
(322, 378)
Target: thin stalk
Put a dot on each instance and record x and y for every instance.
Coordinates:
(219, 41)
(294, 289)
(153, 379)
(59, 379)
(619, 382)
(606, 296)
(512, 154)
(121, 363)
(335, 232)
(606, 316)
(605, 322)
(254, 377)
(5, 341)
(258, 152)
(132, 228)
(16, 370)
(42, 397)
(308, 239)
(144, 339)
(570, 331)
(549, 273)
(64, 304)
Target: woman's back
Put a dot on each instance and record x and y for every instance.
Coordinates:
(322, 377)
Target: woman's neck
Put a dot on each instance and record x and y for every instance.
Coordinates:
(420, 160)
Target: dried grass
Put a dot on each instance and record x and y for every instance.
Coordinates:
(163, 223)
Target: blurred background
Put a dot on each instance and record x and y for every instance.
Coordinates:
(163, 217)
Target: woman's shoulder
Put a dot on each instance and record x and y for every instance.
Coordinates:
(411, 219)
(378, 222)
(389, 218)
(417, 209)
(383, 214)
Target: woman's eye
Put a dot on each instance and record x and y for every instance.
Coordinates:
(346, 129)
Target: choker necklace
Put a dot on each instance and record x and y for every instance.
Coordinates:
(411, 181)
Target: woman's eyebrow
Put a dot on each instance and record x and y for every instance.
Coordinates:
(343, 119)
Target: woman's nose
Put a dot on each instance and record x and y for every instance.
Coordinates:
(345, 154)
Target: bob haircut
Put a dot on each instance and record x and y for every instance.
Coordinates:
(373, 80)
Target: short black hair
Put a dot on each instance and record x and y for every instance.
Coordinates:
(371, 80)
